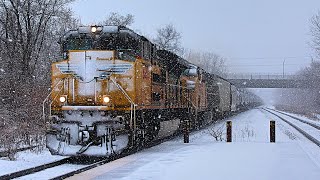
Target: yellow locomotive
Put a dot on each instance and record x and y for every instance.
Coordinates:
(115, 90)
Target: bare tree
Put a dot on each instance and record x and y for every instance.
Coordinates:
(169, 38)
(315, 32)
(26, 31)
(24, 24)
(29, 31)
(304, 101)
(115, 19)
(209, 61)
(216, 132)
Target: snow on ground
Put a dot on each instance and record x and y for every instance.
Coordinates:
(307, 128)
(249, 156)
(26, 160)
(310, 148)
(53, 172)
(303, 117)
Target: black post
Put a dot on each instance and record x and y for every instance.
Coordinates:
(229, 131)
(186, 125)
(272, 131)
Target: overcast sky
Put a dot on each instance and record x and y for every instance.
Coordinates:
(255, 36)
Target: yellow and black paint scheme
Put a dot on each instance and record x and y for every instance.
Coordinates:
(115, 90)
(92, 92)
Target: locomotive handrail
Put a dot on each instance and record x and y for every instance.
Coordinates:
(133, 105)
(122, 90)
(54, 99)
(190, 101)
(46, 99)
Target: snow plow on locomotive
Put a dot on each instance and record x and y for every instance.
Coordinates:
(116, 90)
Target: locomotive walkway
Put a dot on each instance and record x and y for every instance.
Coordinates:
(268, 81)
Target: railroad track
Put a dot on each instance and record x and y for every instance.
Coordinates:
(110, 159)
(93, 162)
(91, 166)
(35, 169)
(97, 162)
(301, 120)
(303, 132)
(113, 158)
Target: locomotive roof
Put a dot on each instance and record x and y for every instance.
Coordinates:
(168, 58)
(103, 31)
(172, 59)
(174, 62)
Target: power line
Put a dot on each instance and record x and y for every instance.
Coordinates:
(263, 65)
(284, 57)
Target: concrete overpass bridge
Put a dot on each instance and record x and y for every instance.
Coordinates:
(268, 81)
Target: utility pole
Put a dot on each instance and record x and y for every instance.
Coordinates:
(283, 67)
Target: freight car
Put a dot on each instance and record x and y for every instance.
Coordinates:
(115, 90)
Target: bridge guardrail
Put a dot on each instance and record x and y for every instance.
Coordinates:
(261, 76)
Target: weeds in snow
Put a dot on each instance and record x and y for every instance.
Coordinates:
(217, 132)
(244, 134)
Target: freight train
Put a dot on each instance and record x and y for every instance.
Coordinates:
(114, 90)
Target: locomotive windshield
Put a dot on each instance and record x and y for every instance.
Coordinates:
(120, 39)
(124, 46)
(78, 44)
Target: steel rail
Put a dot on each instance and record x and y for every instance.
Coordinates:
(301, 120)
(308, 136)
(35, 169)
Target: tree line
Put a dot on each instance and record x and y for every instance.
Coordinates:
(306, 101)
(29, 30)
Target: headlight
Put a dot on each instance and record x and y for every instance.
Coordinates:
(65, 55)
(63, 99)
(93, 29)
(106, 99)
